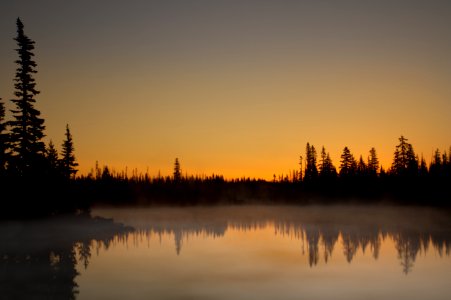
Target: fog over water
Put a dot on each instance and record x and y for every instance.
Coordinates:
(224, 252)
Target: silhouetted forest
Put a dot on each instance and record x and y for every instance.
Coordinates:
(410, 180)
(36, 180)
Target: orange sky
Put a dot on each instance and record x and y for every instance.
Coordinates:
(236, 87)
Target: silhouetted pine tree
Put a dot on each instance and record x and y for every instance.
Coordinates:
(423, 171)
(27, 128)
(348, 164)
(412, 161)
(332, 171)
(435, 168)
(301, 170)
(322, 163)
(373, 163)
(327, 169)
(362, 169)
(67, 163)
(404, 162)
(311, 171)
(106, 174)
(177, 170)
(52, 157)
(3, 139)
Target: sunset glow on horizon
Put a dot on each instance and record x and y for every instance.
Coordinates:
(235, 87)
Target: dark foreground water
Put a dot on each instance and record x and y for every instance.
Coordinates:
(246, 252)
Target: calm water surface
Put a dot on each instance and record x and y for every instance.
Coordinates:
(250, 252)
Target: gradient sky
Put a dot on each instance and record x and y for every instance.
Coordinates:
(235, 87)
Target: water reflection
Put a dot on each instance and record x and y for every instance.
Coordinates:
(38, 258)
(49, 259)
(319, 229)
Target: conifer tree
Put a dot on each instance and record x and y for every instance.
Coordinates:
(436, 164)
(3, 139)
(423, 171)
(348, 164)
(301, 170)
(52, 156)
(412, 161)
(331, 168)
(327, 169)
(68, 164)
(400, 157)
(373, 163)
(27, 128)
(177, 170)
(404, 162)
(362, 168)
(323, 162)
(311, 171)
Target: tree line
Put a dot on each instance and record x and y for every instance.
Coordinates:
(406, 164)
(409, 180)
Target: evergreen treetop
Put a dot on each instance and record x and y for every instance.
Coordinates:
(348, 164)
(3, 138)
(52, 155)
(27, 128)
(311, 170)
(404, 161)
(177, 170)
(327, 169)
(68, 163)
(373, 162)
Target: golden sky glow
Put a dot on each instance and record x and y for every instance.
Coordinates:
(236, 87)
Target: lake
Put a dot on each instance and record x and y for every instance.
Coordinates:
(230, 252)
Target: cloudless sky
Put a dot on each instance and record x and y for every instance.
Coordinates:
(235, 87)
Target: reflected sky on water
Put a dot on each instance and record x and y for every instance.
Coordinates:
(246, 252)
(270, 252)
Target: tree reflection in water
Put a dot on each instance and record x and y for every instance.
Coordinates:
(38, 258)
(360, 228)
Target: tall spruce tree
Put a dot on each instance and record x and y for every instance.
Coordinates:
(404, 161)
(311, 170)
(3, 139)
(27, 128)
(177, 170)
(323, 163)
(373, 163)
(52, 156)
(362, 168)
(423, 170)
(67, 163)
(348, 166)
(327, 170)
(436, 164)
(399, 165)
